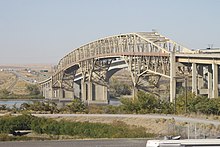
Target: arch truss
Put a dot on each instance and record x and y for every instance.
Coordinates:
(147, 56)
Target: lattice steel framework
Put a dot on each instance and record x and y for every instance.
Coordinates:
(147, 55)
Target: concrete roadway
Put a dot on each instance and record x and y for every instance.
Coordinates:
(78, 143)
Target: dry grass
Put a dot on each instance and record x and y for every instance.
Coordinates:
(20, 88)
(6, 79)
(157, 126)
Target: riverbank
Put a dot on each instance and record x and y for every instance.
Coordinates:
(23, 99)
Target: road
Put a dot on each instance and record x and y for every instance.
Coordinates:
(79, 143)
(153, 116)
(22, 77)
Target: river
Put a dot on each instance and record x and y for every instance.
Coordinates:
(17, 103)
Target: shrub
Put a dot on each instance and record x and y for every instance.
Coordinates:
(77, 129)
(146, 103)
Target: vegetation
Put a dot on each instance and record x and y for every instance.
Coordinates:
(75, 106)
(8, 124)
(197, 104)
(40, 106)
(118, 88)
(6, 137)
(33, 90)
(146, 103)
(142, 104)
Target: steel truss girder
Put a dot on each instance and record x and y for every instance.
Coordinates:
(152, 48)
(114, 45)
(68, 80)
(65, 80)
(142, 66)
(95, 70)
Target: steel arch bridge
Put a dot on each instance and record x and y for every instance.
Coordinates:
(148, 56)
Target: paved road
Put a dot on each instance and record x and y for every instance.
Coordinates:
(155, 116)
(22, 77)
(79, 143)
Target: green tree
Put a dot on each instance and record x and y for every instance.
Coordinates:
(118, 88)
(184, 103)
(33, 89)
(75, 106)
(146, 103)
(197, 104)
(3, 107)
(4, 93)
(25, 106)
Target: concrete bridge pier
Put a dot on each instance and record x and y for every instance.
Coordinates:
(68, 94)
(87, 92)
(172, 77)
(198, 86)
(90, 92)
(83, 91)
(101, 94)
(209, 81)
(77, 89)
(214, 80)
(60, 93)
(46, 90)
(201, 79)
(94, 93)
(194, 79)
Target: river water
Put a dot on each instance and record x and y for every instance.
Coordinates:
(17, 103)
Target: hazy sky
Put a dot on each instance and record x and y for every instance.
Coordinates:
(43, 31)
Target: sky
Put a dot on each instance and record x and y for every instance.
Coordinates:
(43, 31)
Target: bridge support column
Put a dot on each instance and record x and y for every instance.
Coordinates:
(210, 81)
(83, 91)
(90, 92)
(101, 94)
(77, 90)
(215, 80)
(60, 93)
(200, 77)
(53, 93)
(172, 77)
(68, 94)
(46, 90)
(94, 93)
(43, 89)
(194, 79)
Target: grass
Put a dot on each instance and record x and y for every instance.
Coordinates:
(78, 130)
